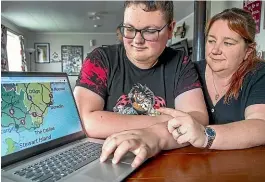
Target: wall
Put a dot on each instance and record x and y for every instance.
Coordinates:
(189, 29)
(58, 39)
(189, 22)
(218, 6)
(214, 7)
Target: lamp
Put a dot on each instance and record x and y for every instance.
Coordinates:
(30, 51)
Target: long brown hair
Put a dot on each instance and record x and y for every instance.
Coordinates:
(241, 22)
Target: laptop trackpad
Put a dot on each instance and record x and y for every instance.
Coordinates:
(127, 159)
(107, 171)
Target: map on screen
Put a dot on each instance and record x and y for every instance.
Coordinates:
(34, 113)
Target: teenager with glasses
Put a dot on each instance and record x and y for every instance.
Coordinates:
(121, 86)
(148, 34)
(233, 81)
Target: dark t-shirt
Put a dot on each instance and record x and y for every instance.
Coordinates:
(128, 89)
(252, 92)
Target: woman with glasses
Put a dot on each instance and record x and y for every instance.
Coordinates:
(121, 86)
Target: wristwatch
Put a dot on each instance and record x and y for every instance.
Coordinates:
(210, 134)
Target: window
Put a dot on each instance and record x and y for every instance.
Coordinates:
(13, 52)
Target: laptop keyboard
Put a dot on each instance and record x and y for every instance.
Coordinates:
(60, 165)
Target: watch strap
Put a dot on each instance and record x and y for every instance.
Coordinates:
(209, 143)
(210, 139)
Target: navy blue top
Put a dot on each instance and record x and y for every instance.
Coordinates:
(252, 92)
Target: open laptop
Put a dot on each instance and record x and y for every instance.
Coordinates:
(42, 138)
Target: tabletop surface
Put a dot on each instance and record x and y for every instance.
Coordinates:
(193, 164)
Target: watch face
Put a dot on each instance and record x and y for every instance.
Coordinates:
(210, 132)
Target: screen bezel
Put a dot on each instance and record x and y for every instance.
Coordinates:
(30, 152)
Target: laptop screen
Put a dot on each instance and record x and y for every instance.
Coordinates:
(36, 110)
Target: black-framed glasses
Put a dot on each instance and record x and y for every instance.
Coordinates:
(147, 33)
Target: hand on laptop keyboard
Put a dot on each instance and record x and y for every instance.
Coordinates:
(144, 143)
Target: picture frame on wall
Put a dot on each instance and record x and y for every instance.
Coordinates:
(254, 7)
(72, 59)
(42, 52)
(264, 19)
(55, 58)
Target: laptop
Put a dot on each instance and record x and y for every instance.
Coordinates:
(42, 136)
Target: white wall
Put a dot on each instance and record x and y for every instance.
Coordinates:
(56, 40)
(218, 6)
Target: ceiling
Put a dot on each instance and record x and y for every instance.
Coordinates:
(73, 16)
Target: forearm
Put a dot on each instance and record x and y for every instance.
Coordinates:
(201, 117)
(101, 124)
(167, 141)
(239, 135)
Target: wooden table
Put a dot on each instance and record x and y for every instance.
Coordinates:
(192, 164)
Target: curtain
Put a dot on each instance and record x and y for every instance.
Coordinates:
(23, 54)
(4, 60)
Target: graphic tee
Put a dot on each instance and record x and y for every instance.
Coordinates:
(127, 89)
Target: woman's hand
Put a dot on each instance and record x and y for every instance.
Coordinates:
(185, 128)
(144, 143)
